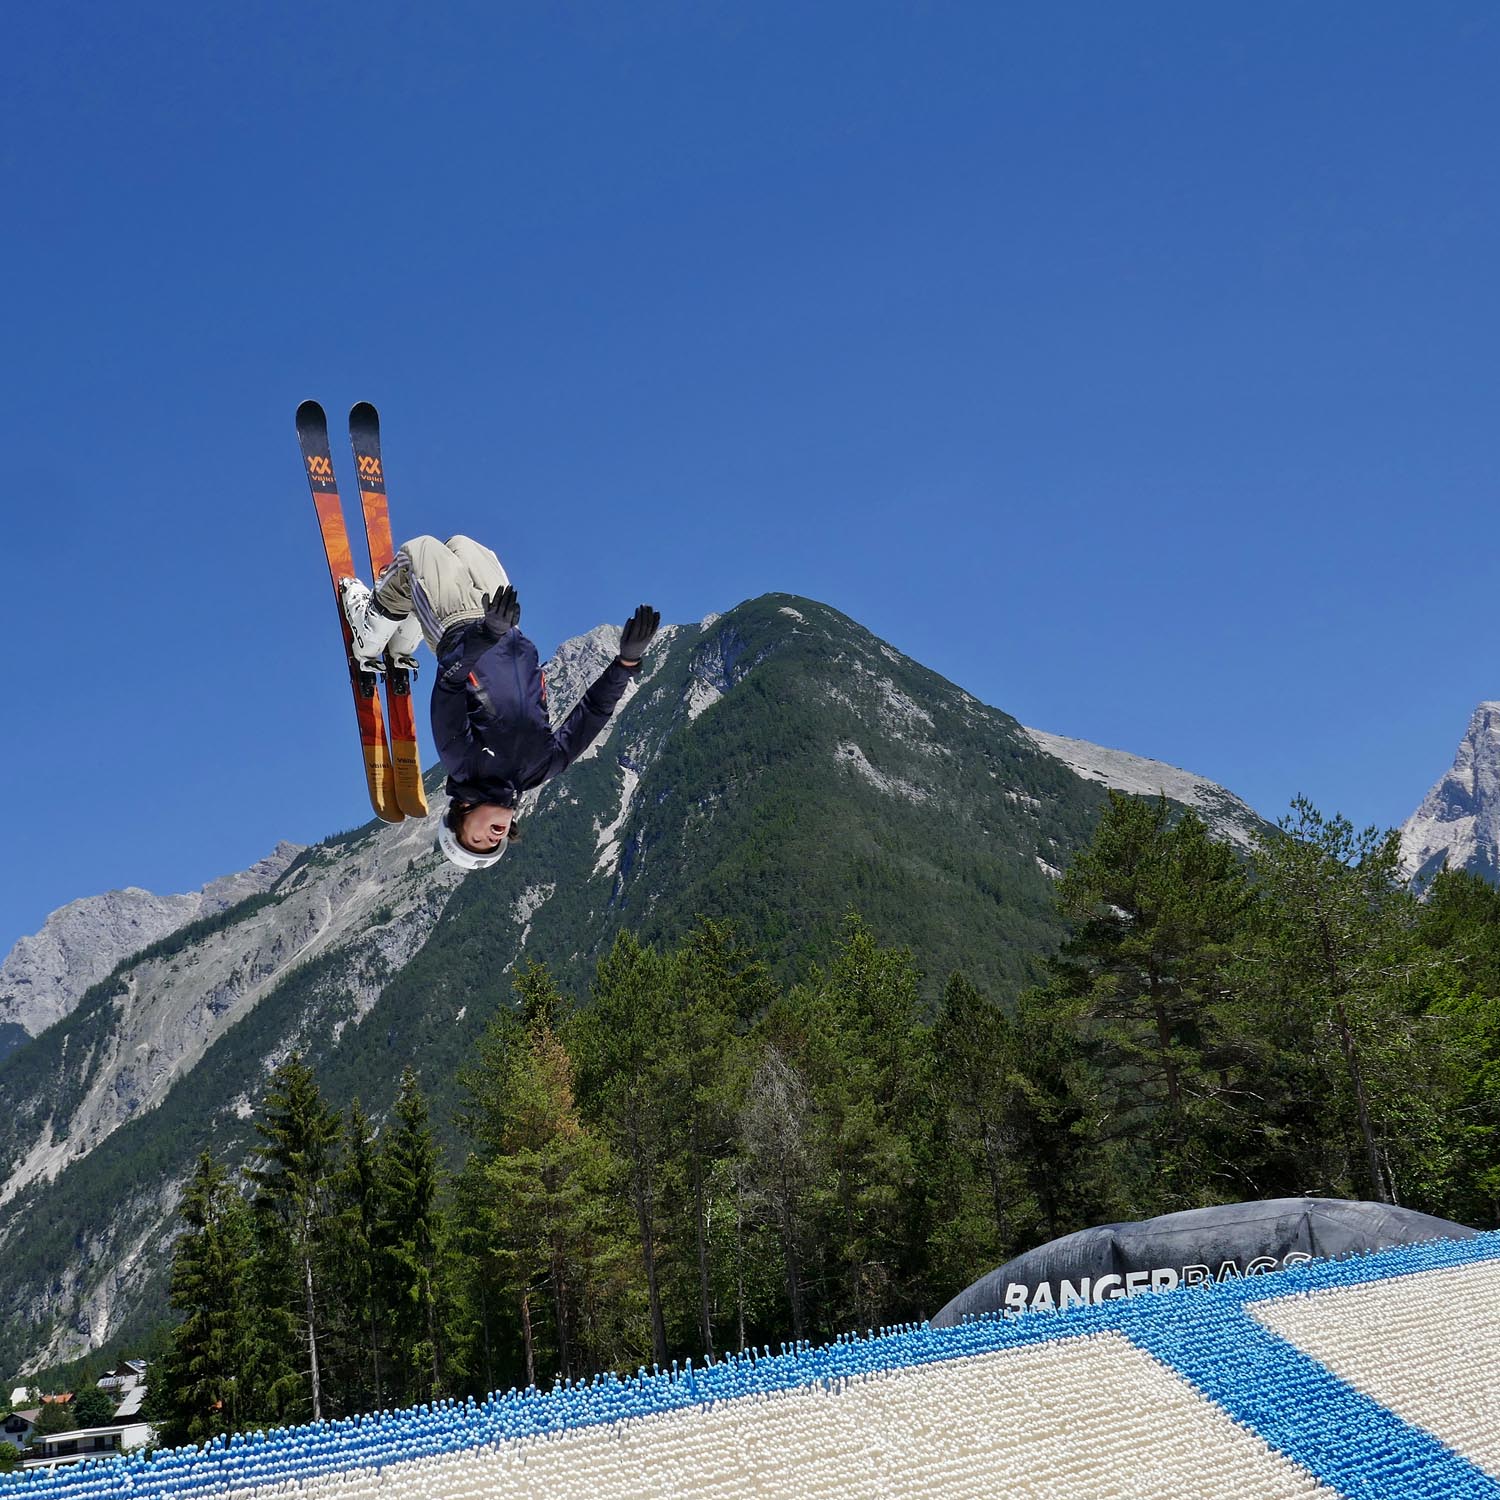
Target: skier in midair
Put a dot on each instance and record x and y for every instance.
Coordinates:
(489, 701)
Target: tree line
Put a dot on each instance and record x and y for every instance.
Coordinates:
(694, 1159)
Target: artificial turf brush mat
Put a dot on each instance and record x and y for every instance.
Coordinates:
(1372, 1377)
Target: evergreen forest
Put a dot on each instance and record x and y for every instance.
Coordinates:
(694, 1158)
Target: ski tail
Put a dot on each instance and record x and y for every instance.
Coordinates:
(317, 460)
(364, 438)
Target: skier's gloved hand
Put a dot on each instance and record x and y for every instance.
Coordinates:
(502, 612)
(637, 634)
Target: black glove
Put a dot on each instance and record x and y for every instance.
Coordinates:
(502, 611)
(638, 632)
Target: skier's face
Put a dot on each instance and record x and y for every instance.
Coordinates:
(483, 827)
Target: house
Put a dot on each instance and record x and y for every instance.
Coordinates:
(88, 1442)
(16, 1428)
(18, 1396)
(131, 1405)
(125, 1376)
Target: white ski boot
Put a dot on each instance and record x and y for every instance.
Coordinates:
(370, 626)
(402, 646)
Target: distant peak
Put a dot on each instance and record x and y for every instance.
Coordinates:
(1457, 825)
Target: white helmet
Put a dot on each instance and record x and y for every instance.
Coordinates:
(466, 859)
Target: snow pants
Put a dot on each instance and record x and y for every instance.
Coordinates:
(444, 582)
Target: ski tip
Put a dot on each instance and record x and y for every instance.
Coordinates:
(310, 416)
(362, 414)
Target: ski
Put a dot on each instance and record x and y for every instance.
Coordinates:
(317, 459)
(364, 438)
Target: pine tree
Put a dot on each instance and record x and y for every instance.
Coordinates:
(974, 1177)
(870, 1083)
(1460, 924)
(539, 1193)
(412, 1231)
(718, 990)
(1155, 905)
(838, 1128)
(360, 1269)
(1055, 1106)
(486, 1334)
(485, 1118)
(291, 1174)
(626, 1040)
(1338, 981)
(203, 1385)
(1459, 917)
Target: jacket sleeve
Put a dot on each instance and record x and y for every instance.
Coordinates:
(453, 731)
(581, 728)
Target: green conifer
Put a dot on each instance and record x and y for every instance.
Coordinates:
(204, 1386)
(1155, 905)
(412, 1233)
(625, 1041)
(1350, 1057)
(291, 1173)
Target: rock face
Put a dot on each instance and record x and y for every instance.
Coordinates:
(45, 975)
(161, 1011)
(1225, 814)
(1458, 824)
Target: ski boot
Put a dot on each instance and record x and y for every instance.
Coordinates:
(369, 625)
(402, 646)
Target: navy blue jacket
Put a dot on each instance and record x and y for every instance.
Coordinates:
(489, 715)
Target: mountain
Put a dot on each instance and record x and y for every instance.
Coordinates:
(1227, 817)
(775, 765)
(45, 975)
(1458, 823)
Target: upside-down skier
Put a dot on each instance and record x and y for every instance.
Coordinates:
(489, 701)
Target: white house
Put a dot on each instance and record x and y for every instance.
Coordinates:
(87, 1442)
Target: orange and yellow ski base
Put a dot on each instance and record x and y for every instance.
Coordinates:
(393, 767)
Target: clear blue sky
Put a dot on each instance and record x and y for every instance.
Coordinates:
(1131, 365)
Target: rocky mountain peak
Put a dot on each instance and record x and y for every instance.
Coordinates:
(44, 975)
(578, 661)
(1458, 823)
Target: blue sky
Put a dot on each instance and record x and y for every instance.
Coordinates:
(1133, 366)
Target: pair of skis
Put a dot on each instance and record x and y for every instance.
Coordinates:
(392, 768)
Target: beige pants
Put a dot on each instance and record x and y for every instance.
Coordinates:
(445, 582)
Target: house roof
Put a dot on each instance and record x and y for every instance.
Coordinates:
(118, 1428)
(131, 1404)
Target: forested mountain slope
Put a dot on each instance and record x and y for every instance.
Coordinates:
(774, 766)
